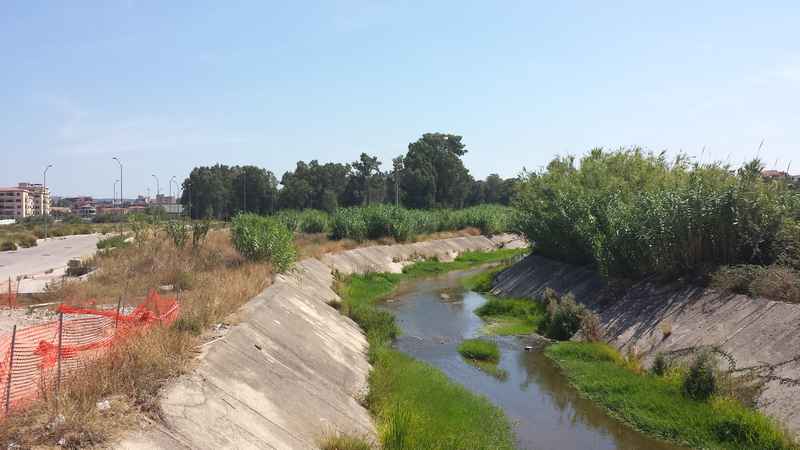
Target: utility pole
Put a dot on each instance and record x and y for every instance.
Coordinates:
(44, 207)
(114, 198)
(398, 167)
(121, 201)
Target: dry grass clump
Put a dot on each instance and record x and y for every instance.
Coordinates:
(219, 281)
(215, 280)
(775, 282)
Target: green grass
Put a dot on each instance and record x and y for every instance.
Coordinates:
(511, 316)
(115, 241)
(415, 405)
(464, 261)
(419, 408)
(482, 281)
(480, 350)
(656, 405)
(484, 355)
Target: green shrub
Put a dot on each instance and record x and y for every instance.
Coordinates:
(314, 221)
(479, 349)
(661, 365)
(192, 324)
(377, 221)
(260, 238)
(701, 381)
(348, 223)
(183, 280)
(116, 241)
(178, 232)
(634, 214)
(564, 316)
(290, 218)
(199, 233)
(27, 241)
(6, 246)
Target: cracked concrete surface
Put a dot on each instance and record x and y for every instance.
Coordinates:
(652, 318)
(292, 369)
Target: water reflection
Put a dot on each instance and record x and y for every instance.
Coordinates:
(548, 413)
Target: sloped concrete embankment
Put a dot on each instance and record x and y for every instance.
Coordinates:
(291, 370)
(652, 318)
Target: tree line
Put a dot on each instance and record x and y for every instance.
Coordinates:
(430, 175)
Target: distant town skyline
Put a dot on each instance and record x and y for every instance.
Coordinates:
(170, 86)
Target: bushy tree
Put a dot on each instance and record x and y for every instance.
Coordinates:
(434, 174)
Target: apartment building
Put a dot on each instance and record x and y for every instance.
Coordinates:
(25, 200)
(41, 197)
(15, 203)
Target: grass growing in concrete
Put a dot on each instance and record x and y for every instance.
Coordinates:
(345, 443)
(657, 406)
(415, 404)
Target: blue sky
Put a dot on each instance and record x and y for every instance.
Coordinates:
(170, 85)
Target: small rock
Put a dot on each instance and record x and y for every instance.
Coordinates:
(445, 296)
(57, 420)
(103, 405)
(528, 348)
(62, 442)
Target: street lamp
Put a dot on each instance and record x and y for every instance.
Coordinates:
(114, 198)
(158, 188)
(120, 181)
(45, 210)
(170, 185)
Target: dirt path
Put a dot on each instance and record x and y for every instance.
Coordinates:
(45, 262)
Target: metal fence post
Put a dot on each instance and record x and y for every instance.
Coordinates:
(116, 318)
(10, 368)
(58, 363)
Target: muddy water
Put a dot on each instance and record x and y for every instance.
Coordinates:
(547, 412)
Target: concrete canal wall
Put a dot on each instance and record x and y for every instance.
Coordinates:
(291, 369)
(651, 317)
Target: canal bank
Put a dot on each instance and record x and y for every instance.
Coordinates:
(547, 413)
(291, 369)
(647, 318)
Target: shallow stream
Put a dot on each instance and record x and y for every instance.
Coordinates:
(546, 411)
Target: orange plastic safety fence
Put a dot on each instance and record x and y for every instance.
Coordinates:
(31, 357)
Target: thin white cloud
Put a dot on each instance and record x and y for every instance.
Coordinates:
(78, 131)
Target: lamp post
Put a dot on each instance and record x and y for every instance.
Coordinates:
(158, 188)
(114, 198)
(171, 180)
(44, 207)
(121, 202)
